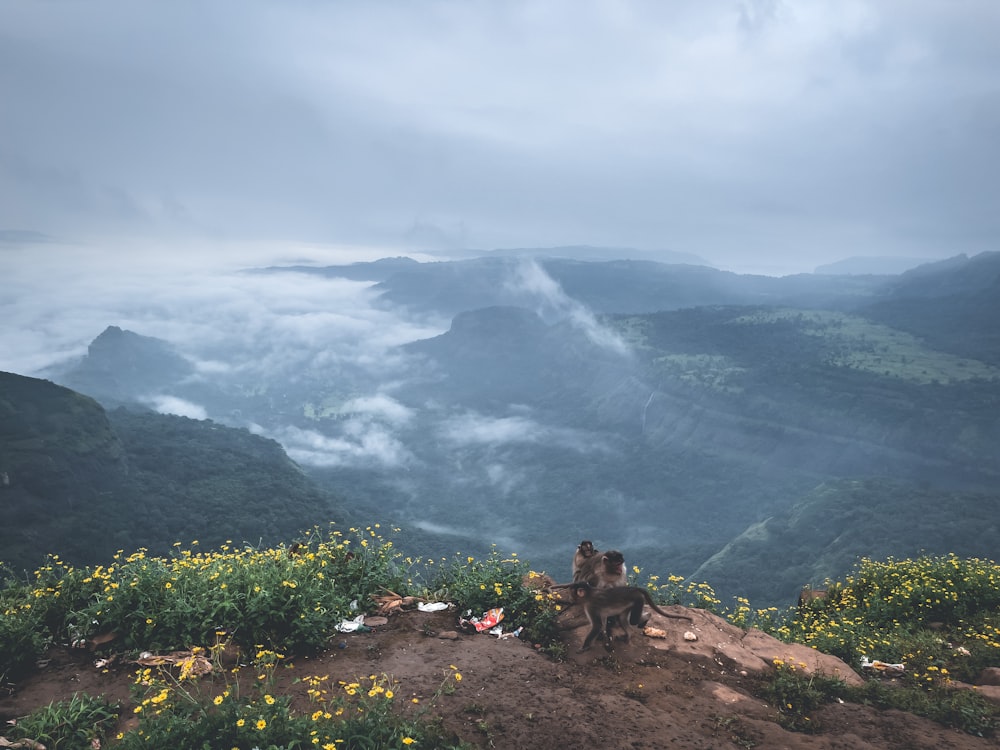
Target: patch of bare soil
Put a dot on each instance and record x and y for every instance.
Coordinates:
(648, 693)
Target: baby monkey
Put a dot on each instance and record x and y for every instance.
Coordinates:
(603, 570)
(601, 603)
(584, 551)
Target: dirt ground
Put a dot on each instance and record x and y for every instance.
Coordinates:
(649, 693)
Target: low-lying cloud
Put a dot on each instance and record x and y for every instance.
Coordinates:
(58, 300)
(472, 428)
(552, 302)
(360, 444)
(178, 406)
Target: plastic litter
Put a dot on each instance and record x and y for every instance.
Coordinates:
(357, 625)
(488, 621)
(498, 632)
(432, 606)
(882, 666)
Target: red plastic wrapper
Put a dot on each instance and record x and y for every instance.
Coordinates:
(489, 620)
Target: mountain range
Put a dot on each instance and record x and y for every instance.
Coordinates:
(758, 433)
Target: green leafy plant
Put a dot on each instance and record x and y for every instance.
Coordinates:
(289, 601)
(796, 695)
(23, 637)
(67, 725)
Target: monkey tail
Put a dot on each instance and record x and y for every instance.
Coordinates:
(659, 611)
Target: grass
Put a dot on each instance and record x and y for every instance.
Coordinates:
(859, 344)
(71, 724)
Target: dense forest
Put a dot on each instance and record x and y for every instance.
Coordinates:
(87, 483)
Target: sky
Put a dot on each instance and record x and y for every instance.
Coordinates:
(766, 136)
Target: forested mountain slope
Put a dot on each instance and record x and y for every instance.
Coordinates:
(87, 483)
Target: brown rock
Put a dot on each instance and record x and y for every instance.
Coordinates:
(752, 651)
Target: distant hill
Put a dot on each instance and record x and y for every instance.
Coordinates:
(623, 286)
(954, 305)
(120, 363)
(636, 285)
(378, 270)
(831, 528)
(870, 265)
(86, 482)
(595, 253)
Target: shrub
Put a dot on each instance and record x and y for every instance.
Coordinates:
(76, 723)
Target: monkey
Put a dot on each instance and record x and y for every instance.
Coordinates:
(601, 604)
(584, 551)
(603, 570)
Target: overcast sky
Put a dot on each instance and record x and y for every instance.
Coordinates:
(761, 135)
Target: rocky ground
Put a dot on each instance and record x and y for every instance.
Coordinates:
(649, 693)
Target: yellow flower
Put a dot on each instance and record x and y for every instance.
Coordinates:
(458, 676)
(261, 724)
(269, 700)
(240, 722)
(408, 740)
(218, 700)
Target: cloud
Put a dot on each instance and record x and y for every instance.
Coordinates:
(178, 406)
(530, 277)
(58, 300)
(760, 134)
(471, 428)
(361, 444)
(379, 406)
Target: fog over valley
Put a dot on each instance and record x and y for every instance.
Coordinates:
(713, 284)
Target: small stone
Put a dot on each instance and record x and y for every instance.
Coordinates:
(689, 636)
